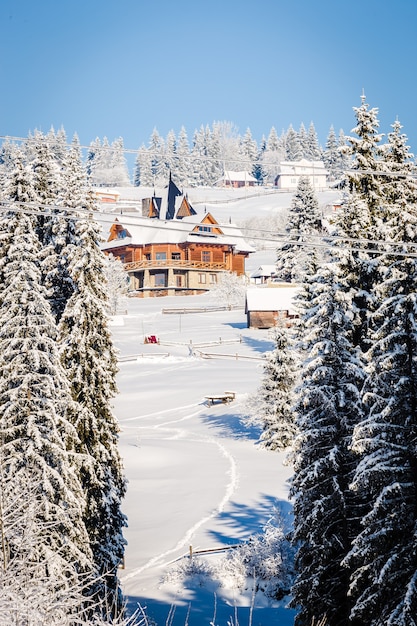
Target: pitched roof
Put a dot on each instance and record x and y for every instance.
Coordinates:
(278, 298)
(142, 231)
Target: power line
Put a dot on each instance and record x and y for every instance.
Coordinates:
(321, 241)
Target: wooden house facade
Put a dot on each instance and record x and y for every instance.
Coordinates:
(170, 250)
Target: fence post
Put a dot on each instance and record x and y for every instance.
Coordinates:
(191, 553)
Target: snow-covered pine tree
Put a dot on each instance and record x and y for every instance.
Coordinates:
(328, 404)
(157, 154)
(99, 162)
(171, 159)
(218, 143)
(89, 361)
(36, 409)
(303, 141)
(304, 221)
(118, 171)
(61, 239)
(248, 153)
(258, 169)
(143, 168)
(344, 156)
(57, 142)
(93, 158)
(313, 152)
(275, 396)
(366, 154)
(272, 156)
(17, 191)
(182, 173)
(199, 176)
(331, 155)
(292, 145)
(362, 213)
(46, 183)
(383, 557)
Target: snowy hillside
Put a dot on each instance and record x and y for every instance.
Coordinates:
(196, 475)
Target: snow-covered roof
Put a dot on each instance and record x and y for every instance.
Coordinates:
(277, 298)
(263, 270)
(145, 230)
(240, 176)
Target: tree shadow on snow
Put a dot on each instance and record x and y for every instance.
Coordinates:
(193, 593)
(236, 324)
(259, 345)
(231, 425)
(242, 521)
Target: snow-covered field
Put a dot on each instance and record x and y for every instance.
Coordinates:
(196, 476)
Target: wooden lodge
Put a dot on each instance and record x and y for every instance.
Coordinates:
(170, 250)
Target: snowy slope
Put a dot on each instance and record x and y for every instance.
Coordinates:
(196, 475)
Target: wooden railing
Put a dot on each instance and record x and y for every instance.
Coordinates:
(174, 263)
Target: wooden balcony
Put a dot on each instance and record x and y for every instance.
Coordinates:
(173, 263)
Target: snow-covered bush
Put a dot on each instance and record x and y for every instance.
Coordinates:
(116, 284)
(267, 557)
(265, 560)
(230, 289)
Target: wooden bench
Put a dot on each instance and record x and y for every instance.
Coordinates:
(225, 398)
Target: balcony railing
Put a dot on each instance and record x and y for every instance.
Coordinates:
(173, 263)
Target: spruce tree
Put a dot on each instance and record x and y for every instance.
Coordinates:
(327, 406)
(182, 174)
(292, 144)
(274, 398)
(304, 221)
(314, 152)
(248, 153)
(119, 173)
(303, 141)
(331, 155)
(89, 361)
(143, 168)
(383, 556)
(36, 409)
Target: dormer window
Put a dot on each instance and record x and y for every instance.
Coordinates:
(204, 229)
(122, 234)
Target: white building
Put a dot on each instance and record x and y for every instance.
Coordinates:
(291, 171)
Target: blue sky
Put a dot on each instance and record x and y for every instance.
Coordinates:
(124, 67)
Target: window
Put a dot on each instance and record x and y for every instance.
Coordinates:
(121, 234)
(160, 280)
(204, 229)
(161, 256)
(213, 278)
(206, 256)
(175, 256)
(148, 257)
(202, 279)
